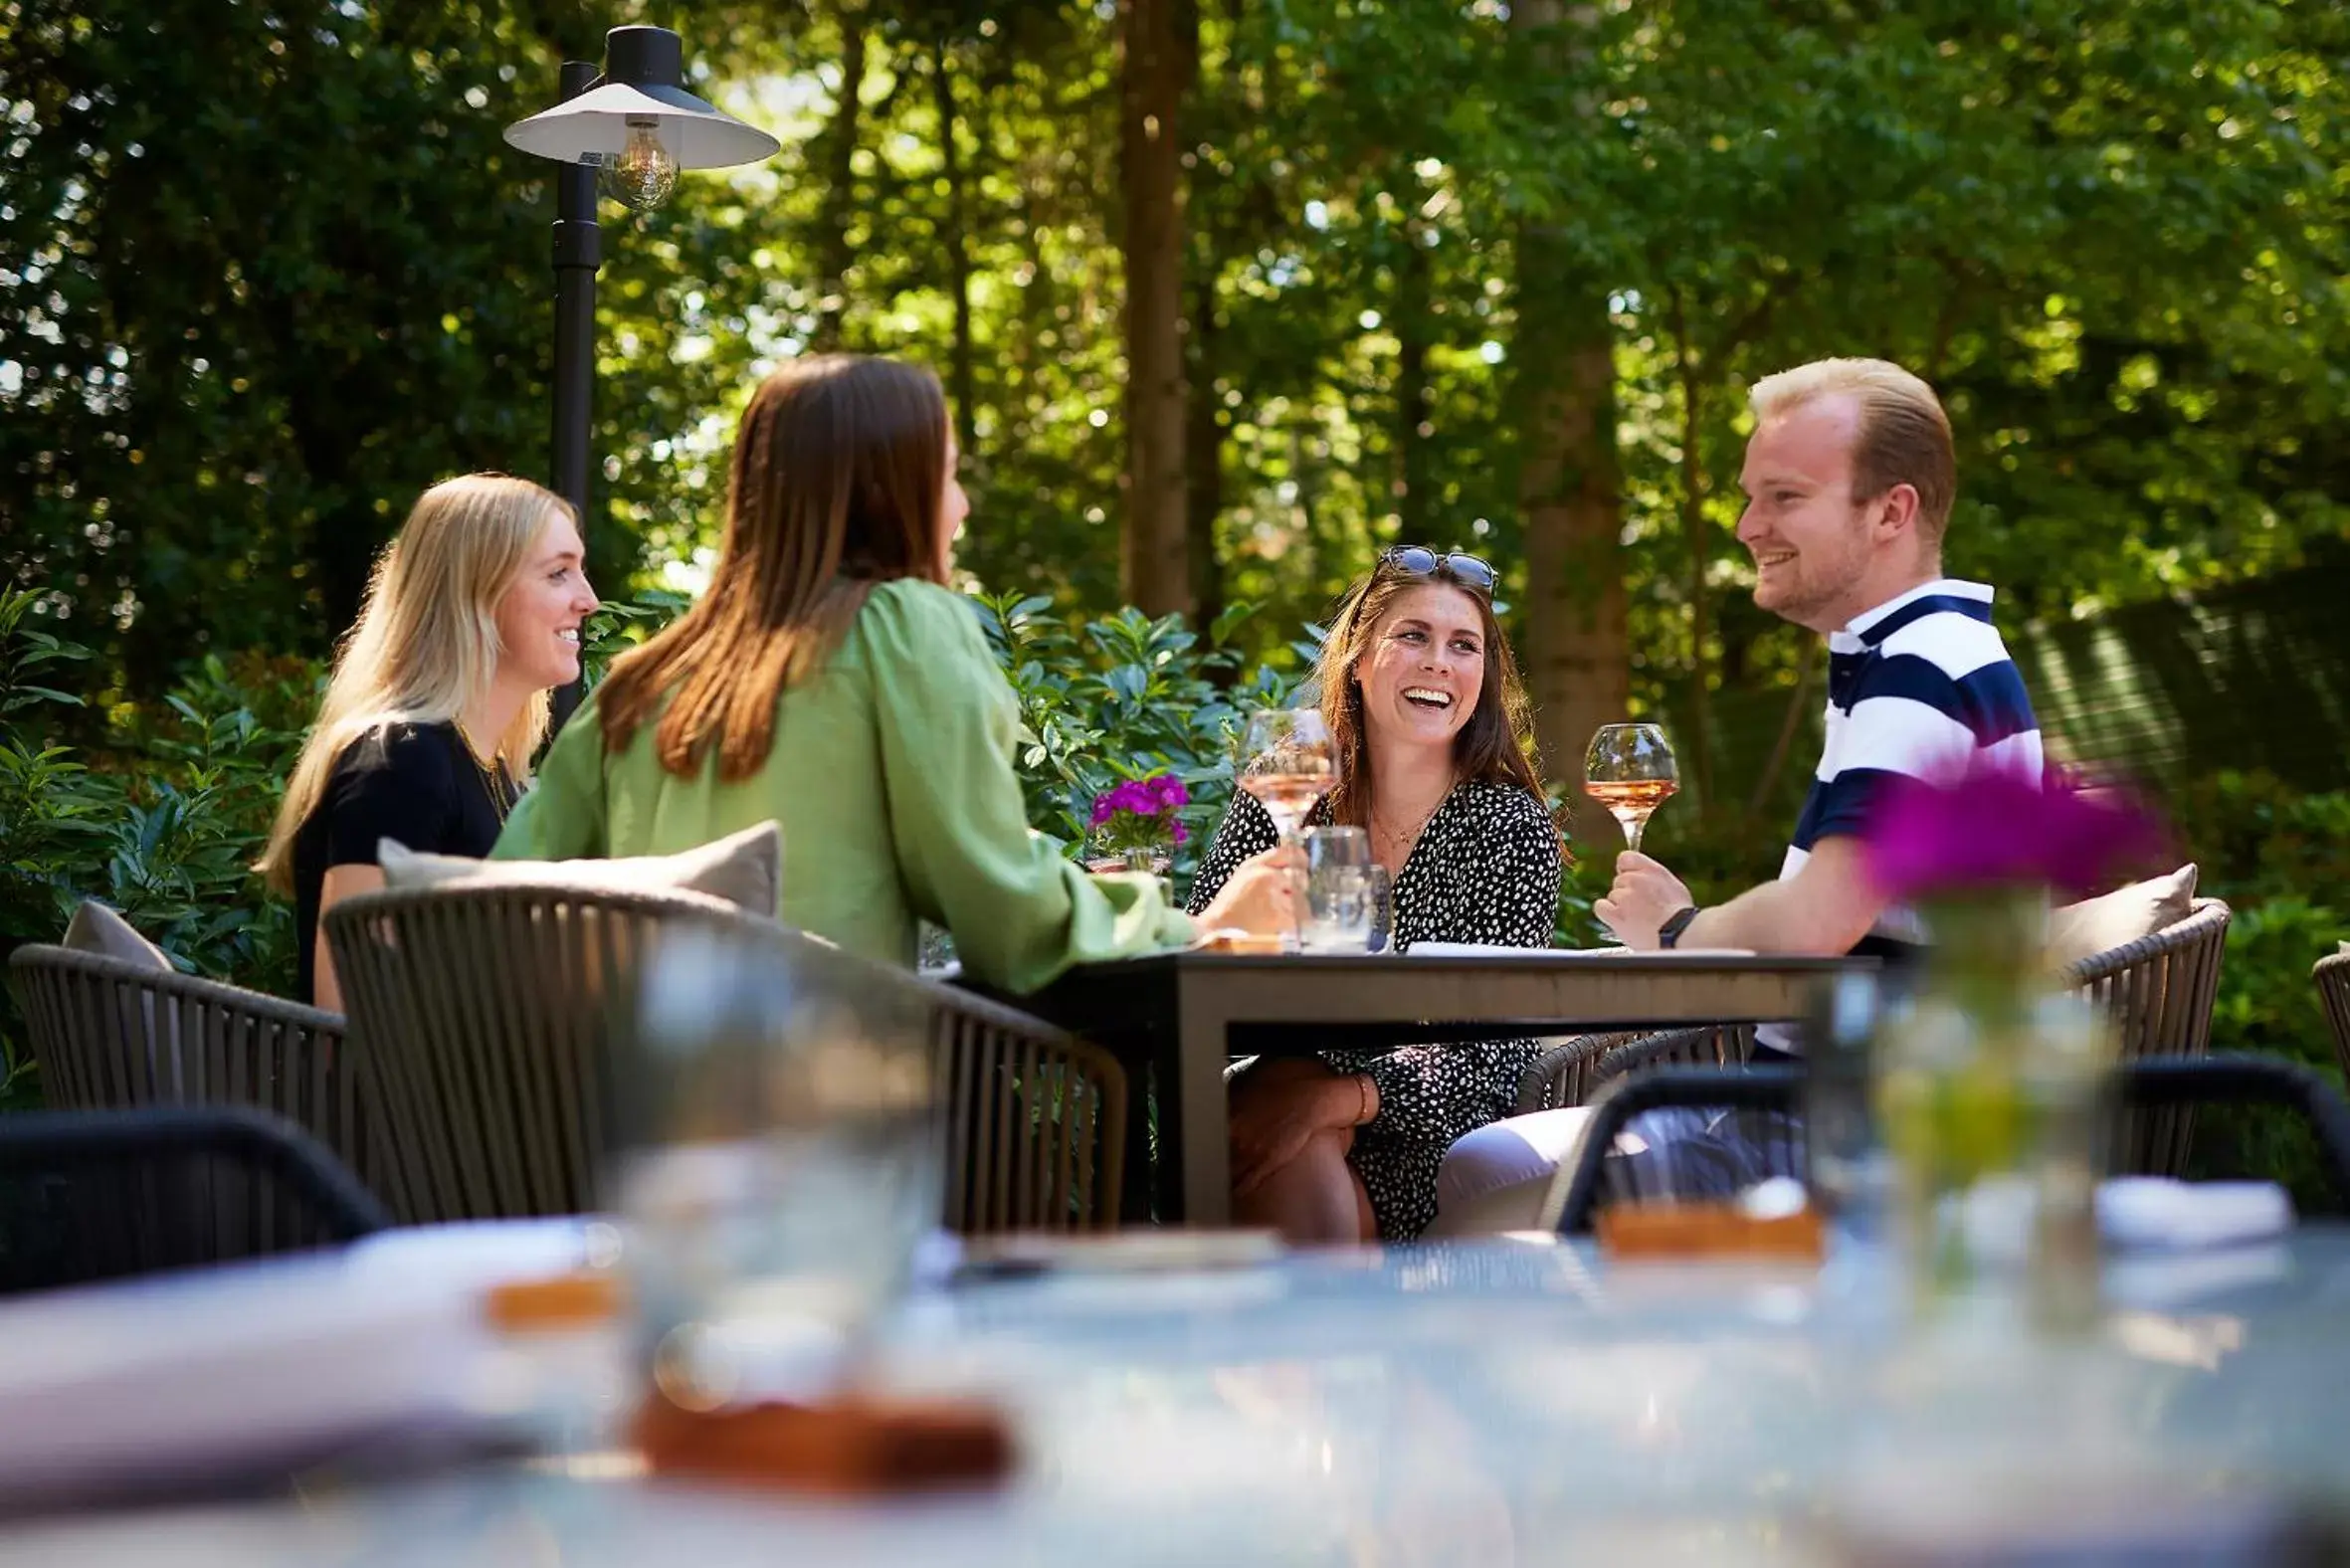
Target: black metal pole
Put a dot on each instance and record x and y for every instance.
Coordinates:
(579, 250)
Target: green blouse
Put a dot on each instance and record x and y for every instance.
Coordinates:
(892, 777)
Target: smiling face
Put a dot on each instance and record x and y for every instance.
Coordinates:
(1824, 553)
(539, 614)
(1423, 666)
(1809, 537)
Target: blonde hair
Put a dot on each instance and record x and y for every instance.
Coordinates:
(1905, 436)
(425, 642)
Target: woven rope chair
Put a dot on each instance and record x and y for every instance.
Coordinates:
(2158, 992)
(486, 1017)
(2333, 989)
(112, 1035)
(1570, 1072)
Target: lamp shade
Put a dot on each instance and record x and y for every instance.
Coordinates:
(642, 87)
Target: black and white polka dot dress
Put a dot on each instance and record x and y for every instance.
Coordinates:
(1486, 870)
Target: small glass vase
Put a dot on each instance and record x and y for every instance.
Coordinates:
(1148, 859)
(1989, 1090)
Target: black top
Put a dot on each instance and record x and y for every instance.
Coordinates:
(415, 783)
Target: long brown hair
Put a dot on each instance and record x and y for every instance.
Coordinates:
(1491, 747)
(840, 465)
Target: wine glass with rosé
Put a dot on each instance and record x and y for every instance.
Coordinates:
(1287, 763)
(1629, 771)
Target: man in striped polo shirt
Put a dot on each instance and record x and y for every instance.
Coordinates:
(1849, 480)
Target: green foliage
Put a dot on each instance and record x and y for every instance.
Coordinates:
(2269, 1003)
(2282, 858)
(163, 823)
(1121, 697)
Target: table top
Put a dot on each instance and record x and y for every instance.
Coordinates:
(1549, 987)
(1491, 1402)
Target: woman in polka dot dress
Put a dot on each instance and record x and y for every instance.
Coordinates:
(1429, 721)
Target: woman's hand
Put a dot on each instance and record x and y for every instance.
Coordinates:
(1261, 895)
(1278, 1107)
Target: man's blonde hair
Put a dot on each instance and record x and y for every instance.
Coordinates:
(1905, 436)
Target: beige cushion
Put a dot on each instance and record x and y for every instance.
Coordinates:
(95, 928)
(2099, 925)
(743, 868)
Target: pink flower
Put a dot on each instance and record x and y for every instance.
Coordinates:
(1140, 813)
(1984, 827)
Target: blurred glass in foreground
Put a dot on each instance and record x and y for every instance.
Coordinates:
(778, 1165)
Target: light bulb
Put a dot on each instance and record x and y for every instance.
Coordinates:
(644, 174)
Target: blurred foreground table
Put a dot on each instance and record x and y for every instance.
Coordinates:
(1488, 1402)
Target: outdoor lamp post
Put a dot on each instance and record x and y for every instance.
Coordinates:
(638, 125)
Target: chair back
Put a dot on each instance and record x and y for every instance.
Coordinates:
(1764, 1104)
(1035, 1119)
(122, 1154)
(481, 1019)
(113, 1035)
(1571, 1072)
(487, 1020)
(2333, 989)
(2158, 992)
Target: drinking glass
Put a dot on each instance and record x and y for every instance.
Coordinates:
(1340, 890)
(777, 1164)
(1629, 771)
(1287, 762)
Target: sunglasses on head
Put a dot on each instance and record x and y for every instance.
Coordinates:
(1419, 560)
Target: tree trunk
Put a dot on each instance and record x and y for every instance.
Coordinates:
(1411, 392)
(1578, 663)
(1204, 458)
(1156, 70)
(1698, 743)
(833, 256)
(961, 378)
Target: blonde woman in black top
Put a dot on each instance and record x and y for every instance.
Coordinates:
(439, 697)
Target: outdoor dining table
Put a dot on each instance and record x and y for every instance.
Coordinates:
(1177, 1020)
(1489, 1402)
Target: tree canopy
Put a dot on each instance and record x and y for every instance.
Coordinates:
(1426, 270)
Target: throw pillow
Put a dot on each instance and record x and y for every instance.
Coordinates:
(95, 928)
(743, 868)
(2096, 925)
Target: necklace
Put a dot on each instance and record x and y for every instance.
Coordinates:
(495, 780)
(1412, 835)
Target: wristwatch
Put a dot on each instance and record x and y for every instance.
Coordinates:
(1668, 934)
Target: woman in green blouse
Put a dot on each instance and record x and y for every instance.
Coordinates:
(831, 681)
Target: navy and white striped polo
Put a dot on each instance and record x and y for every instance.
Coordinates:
(1920, 685)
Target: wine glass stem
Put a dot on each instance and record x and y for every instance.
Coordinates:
(1293, 939)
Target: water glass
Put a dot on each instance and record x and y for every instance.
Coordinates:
(777, 1164)
(1341, 890)
(1850, 1168)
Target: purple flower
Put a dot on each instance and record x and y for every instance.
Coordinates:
(1140, 813)
(1182, 834)
(1991, 827)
